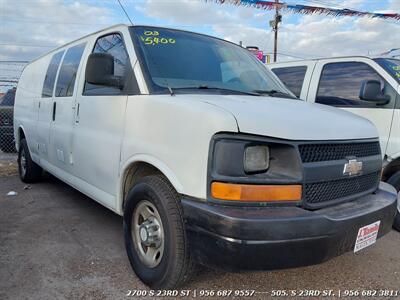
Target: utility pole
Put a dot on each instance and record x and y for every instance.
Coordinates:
(274, 23)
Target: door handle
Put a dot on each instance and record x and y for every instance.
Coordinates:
(54, 110)
(77, 114)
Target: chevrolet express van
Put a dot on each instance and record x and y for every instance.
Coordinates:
(203, 151)
(364, 86)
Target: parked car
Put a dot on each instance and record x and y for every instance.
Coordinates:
(204, 153)
(6, 121)
(364, 86)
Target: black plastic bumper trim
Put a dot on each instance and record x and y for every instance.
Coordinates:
(238, 238)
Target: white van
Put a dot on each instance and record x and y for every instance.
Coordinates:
(202, 151)
(364, 86)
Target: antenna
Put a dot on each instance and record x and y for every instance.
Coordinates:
(126, 14)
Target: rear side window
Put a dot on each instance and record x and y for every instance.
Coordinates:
(51, 73)
(112, 44)
(292, 77)
(69, 68)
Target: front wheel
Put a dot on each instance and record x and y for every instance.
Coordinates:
(395, 181)
(155, 237)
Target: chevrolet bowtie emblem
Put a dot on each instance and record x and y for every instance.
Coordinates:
(353, 167)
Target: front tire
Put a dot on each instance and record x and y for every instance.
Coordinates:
(395, 181)
(155, 237)
(29, 171)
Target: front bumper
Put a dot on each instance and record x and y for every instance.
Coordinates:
(249, 238)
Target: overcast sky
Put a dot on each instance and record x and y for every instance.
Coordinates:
(30, 28)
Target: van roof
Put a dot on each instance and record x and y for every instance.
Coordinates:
(71, 42)
(122, 25)
(322, 58)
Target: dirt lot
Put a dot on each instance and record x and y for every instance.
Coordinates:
(55, 243)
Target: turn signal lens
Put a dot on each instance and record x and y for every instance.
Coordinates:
(255, 193)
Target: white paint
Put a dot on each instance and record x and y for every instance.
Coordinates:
(92, 150)
(386, 120)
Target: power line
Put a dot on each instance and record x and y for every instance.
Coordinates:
(288, 55)
(126, 14)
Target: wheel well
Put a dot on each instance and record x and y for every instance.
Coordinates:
(21, 135)
(390, 169)
(135, 172)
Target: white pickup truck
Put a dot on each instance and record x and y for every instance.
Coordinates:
(205, 154)
(364, 86)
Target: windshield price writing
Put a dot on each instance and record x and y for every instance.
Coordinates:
(153, 38)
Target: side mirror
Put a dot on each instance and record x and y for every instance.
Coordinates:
(100, 70)
(371, 91)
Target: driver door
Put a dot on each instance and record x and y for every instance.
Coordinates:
(99, 125)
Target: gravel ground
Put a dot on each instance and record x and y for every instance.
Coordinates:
(55, 243)
(8, 164)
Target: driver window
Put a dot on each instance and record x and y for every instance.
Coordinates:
(112, 44)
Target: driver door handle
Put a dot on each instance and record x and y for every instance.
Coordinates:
(77, 114)
(54, 110)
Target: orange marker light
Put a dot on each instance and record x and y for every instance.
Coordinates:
(255, 193)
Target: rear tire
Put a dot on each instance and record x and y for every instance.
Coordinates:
(153, 223)
(396, 224)
(395, 181)
(29, 171)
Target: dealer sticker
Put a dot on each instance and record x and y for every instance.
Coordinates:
(367, 236)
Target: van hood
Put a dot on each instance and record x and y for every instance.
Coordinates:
(292, 119)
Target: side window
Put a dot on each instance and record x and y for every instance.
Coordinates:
(292, 77)
(68, 71)
(340, 84)
(112, 44)
(51, 73)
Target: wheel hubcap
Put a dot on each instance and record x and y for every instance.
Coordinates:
(148, 233)
(23, 162)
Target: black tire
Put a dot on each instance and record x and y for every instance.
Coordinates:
(29, 171)
(395, 181)
(396, 224)
(175, 265)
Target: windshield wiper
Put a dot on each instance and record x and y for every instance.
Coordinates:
(206, 87)
(274, 93)
(170, 91)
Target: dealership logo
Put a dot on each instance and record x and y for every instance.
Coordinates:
(353, 167)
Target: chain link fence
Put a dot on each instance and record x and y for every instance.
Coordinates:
(10, 71)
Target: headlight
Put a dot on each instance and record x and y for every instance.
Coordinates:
(254, 169)
(256, 159)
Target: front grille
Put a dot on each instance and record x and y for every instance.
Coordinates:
(325, 152)
(319, 192)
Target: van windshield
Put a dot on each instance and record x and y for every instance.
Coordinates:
(185, 62)
(391, 65)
